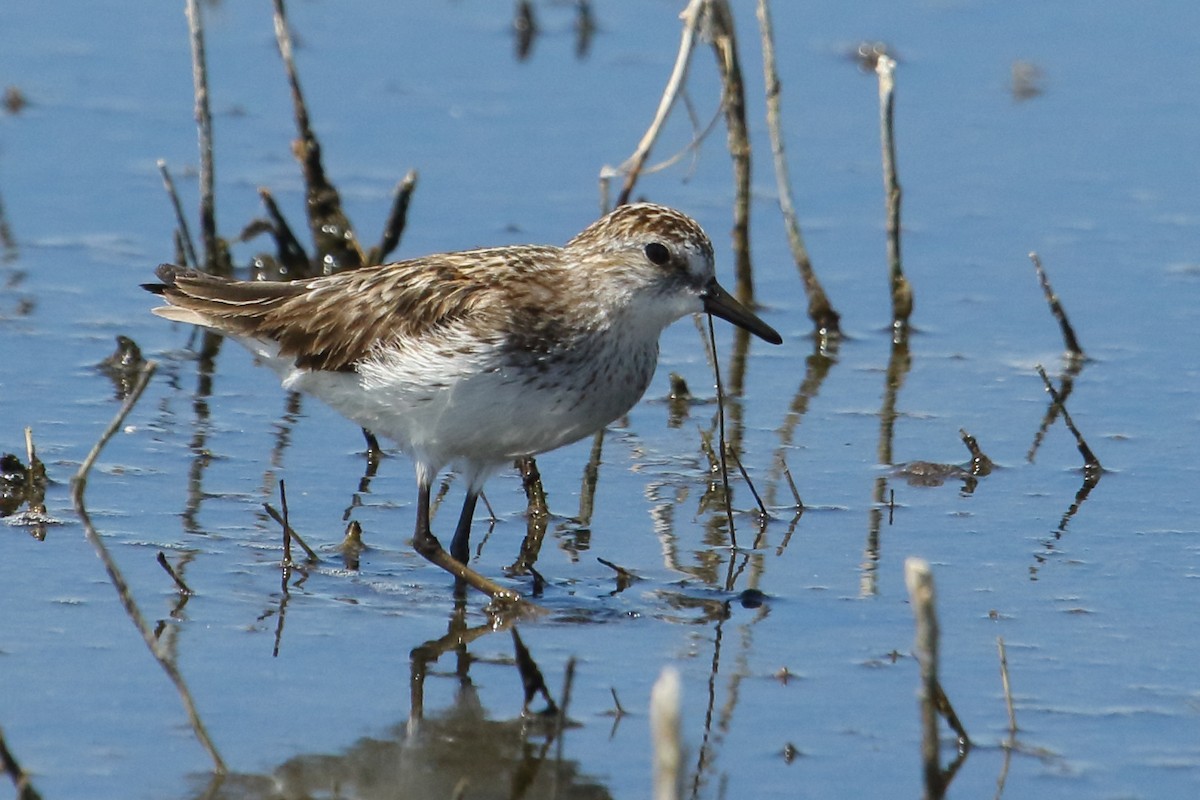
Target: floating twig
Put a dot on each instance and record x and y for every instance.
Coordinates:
(820, 310)
(1074, 351)
(183, 588)
(902, 295)
(185, 233)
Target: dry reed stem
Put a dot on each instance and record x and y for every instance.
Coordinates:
(632, 167)
(185, 233)
(78, 487)
(733, 101)
(208, 216)
(1008, 698)
(665, 702)
(919, 579)
(1074, 351)
(902, 296)
(820, 310)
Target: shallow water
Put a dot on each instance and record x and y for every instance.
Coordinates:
(1096, 602)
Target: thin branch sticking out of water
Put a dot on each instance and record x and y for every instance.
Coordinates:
(20, 778)
(820, 310)
(185, 233)
(902, 295)
(1090, 462)
(633, 166)
(183, 588)
(78, 487)
(208, 215)
(1074, 351)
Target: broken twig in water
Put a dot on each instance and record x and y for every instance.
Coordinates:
(1074, 351)
(185, 233)
(393, 229)
(918, 577)
(78, 487)
(902, 295)
(289, 533)
(820, 310)
(1090, 462)
(1008, 698)
(183, 588)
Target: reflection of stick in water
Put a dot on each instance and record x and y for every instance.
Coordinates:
(78, 487)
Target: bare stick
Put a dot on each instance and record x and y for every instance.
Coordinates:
(665, 701)
(1068, 333)
(787, 473)
(902, 298)
(78, 487)
(1090, 462)
(20, 778)
(208, 214)
(762, 508)
(724, 42)
(820, 310)
(632, 166)
(290, 533)
(185, 233)
(919, 579)
(291, 252)
(183, 588)
(1008, 698)
(337, 246)
(393, 229)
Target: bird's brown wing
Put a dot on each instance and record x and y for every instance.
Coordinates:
(332, 322)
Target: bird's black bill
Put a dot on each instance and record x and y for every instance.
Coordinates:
(721, 303)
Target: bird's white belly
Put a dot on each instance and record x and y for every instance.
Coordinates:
(469, 408)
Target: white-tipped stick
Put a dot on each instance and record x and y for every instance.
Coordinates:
(664, 729)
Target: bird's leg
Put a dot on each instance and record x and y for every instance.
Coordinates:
(460, 546)
(425, 543)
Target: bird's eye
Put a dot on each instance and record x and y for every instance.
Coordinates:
(658, 253)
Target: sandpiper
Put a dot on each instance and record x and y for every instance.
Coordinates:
(476, 358)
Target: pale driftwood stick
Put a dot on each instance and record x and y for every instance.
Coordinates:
(665, 702)
(820, 310)
(902, 296)
(208, 214)
(632, 166)
(78, 487)
(185, 233)
(1068, 333)
(733, 101)
(919, 579)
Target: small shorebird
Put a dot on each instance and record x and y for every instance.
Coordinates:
(480, 357)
